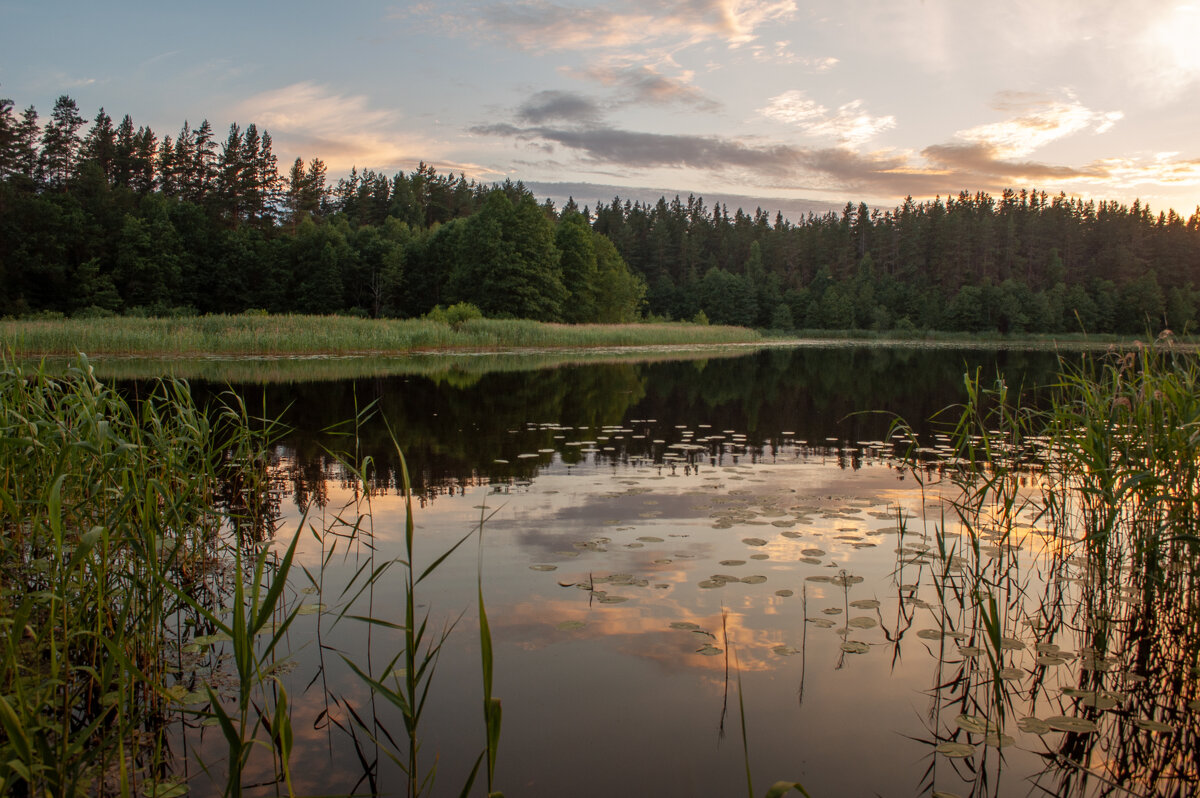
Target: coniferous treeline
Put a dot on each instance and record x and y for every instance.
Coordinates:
(1026, 262)
(115, 219)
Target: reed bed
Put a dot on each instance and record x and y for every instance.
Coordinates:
(1072, 530)
(145, 595)
(253, 334)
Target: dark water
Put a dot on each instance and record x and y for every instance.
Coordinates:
(667, 543)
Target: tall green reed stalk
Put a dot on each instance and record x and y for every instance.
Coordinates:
(406, 679)
(114, 515)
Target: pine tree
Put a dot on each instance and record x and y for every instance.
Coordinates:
(8, 138)
(142, 179)
(60, 143)
(205, 170)
(100, 145)
(124, 152)
(25, 159)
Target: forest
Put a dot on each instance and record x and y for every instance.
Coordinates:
(110, 218)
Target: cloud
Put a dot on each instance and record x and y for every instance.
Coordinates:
(781, 53)
(1040, 121)
(646, 85)
(849, 124)
(564, 106)
(936, 169)
(635, 149)
(343, 130)
(544, 25)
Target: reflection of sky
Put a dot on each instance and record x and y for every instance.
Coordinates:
(626, 687)
(612, 695)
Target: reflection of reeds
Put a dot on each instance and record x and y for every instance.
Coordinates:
(1109, 467)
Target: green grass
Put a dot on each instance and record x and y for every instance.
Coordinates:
(251, 334)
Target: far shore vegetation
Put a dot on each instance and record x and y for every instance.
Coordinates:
(263, 335)
(112, 219)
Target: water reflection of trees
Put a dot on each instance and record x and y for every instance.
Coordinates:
(453, 426)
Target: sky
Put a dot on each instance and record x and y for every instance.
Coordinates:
(777, 99)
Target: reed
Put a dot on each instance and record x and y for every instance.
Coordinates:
(1101, 468)
(252, 334)
(138, 552)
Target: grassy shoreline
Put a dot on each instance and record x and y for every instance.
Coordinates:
(282, 336)
(325, 335)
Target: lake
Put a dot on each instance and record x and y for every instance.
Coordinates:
(696, 569)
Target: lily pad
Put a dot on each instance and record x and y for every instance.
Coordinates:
(864, 604)
(688, 625)
(708, 584)
(754, 541)
(930, 634)
(862, 622)
(784, 593)
(998, 740)
(1033, 725)
(1069, 723)
(309, 609)
(757, 579)
(732, 563)
(1148, 724)
(855, 647)
(709, 650)
(955, 749)
(612, 599)
(570, 626)
(974, 724)
(822, 623)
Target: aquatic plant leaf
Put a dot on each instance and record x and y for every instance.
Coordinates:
(855, 647)
(1151, 725)
(756, 579)
(1069, 723)
(997, 740)
(822, 623)
(165, 789)
(1033, 725)
(955, 749)
(818, 578)
(710, 650)
(970, 651)
(754, 541)
(688, 625)
(785, 593)
(612, 599)
(570, 626)
(1011, 644)
(1011, 674)
(974, 724)
(862, 622)
(864, 604)
(930, 634)
(309, 609)
(732, 563)
(543, 567)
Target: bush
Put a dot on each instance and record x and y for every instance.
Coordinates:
(456, 315)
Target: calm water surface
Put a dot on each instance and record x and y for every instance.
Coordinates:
(664, 541)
